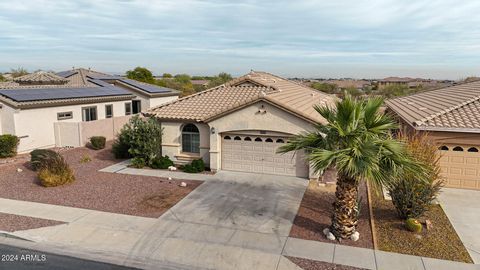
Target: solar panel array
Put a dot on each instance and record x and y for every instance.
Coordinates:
(153, 89)
(25, 95)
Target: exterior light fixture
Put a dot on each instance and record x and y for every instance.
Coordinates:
(212, 130)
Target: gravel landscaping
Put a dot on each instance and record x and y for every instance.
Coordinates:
(118, 193)
(441, 242)
(316, 265)
(315, 212)
(12, 223)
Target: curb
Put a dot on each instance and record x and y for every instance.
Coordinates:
(14, 236)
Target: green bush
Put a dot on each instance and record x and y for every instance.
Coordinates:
(55, 172)
(413, 225)
(137, 162)
(196, 166)
(161, 162)
(8, 145)
(39, 157)
(141, 138)
(98, 142)
(412, 194)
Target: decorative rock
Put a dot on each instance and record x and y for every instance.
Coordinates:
(330, 236)
(19, 170)
(169, 178)
(326, 231)
(183, 184)
(428, 224)
(355, 236)
(172, 168)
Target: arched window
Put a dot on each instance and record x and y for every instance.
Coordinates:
(269, 140)
(247, 139)
(190, 139)
(227, 138)
(258, 139)
(472, 149)
(280, 141)
(458, 149)
(443, 148)
(237, 138)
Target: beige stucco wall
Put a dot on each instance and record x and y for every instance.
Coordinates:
(154, 102)
(7, 120)
(171, 142)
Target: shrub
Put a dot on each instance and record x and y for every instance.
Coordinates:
(8, 145)
(161, 162)
(141, 137)
(55, 172)
(38, 157)
(413, 225)
(85, 159)
(137, 162)
(196, 166)
(412, 194)
(98, 142)
(120, 149)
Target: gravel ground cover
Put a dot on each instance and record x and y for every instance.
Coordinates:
(118, 193)
(315, 212)
(316, 265)
(441, 242)
(12, 223)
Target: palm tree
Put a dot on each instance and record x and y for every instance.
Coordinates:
(357, 142)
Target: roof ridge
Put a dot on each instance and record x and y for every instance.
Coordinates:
(442, 112)
(433, 89)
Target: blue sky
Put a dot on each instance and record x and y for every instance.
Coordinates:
(354, 38)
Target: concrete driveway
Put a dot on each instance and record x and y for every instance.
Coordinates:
(463, 209)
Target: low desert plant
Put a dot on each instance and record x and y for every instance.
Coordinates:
(412, 194)
(196, 166)
(413, 225)
(8, 145)
(138, 163)
(161, 162)
(39, 157)
(85, 159)
(55, 172)
(98, 142)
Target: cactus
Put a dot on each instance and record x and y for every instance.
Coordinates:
(413, 225)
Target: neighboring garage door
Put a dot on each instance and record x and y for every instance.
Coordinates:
(460, 165)
(258, 154)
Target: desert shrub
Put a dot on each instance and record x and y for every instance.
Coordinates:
(55, 172)
(8, 145)
(39, 157)
(141, 137)
(161, 162)
(85, 159)
(196, 166)
(98, 142)
(413, 225)
(412, 194)
(137, 162)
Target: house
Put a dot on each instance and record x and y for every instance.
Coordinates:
(65, 109)
(349, 83)
(239, 125)
(451, 116)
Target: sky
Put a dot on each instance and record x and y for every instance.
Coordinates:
(301, 38)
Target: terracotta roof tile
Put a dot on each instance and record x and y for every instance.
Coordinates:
(41, 77)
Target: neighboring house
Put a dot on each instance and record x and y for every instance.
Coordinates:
(64, 109)
(239, 126)
(451, 116)
(347, 83)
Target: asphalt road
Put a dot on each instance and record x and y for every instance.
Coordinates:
(13, 258)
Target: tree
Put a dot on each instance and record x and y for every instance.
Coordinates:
(356, 140)
(328, 88)
(2, 78)
(18, 72)
(220, 79)
(141, 74)
(394, 90)
(167, 75)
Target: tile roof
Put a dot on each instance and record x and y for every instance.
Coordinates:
(454, 108)
(244, 90)
(41, 77)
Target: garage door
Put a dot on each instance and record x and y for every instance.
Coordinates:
(258, 154)
(460, 165)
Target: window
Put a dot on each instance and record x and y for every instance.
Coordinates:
(64, 115)
(443, 148)
(458, 149)
(227, 138)
(258, 139)
(89, 114)
(136, 106)
(472, 149)
(128, 108)
(247, 139)
(280, 141)
(190, 139)
(237, 138)
(269, 140)
(109, 111)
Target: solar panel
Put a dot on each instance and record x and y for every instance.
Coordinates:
(66, 73)
(147, 87)
(25, 95)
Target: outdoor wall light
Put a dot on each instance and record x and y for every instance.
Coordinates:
(212, 130)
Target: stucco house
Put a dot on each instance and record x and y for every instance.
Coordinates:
(64, 109)
(451, 116)
(239, 126)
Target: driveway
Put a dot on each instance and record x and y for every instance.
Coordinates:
(463, 209)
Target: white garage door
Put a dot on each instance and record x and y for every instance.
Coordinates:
(258, 154)
(460, 165)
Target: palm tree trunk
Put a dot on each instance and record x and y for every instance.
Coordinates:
(345, 209)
